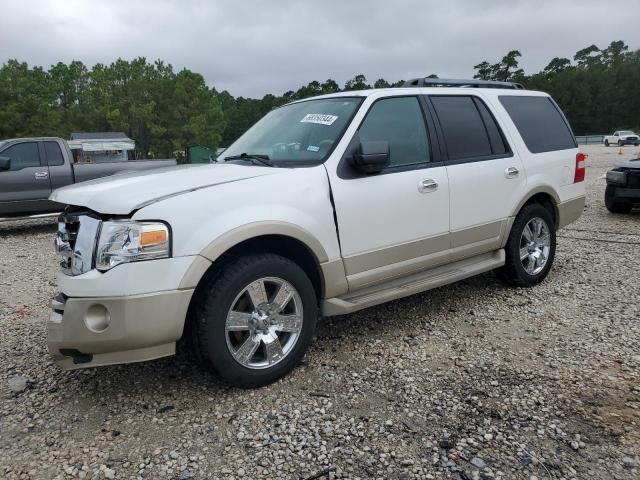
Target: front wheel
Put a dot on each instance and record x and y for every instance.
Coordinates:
(253, 322)
(531, 247)
(619, 143)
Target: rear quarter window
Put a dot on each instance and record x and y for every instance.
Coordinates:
(540, 123)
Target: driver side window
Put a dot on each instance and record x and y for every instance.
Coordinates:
(22, 155)
(400, 122)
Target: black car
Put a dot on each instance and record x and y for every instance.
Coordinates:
(623, 187)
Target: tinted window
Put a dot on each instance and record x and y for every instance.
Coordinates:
(539, 122)
(462, 126)
(54, 154)
(498, 146)
(400, 122)
(22, 155)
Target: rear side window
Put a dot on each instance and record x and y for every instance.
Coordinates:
(400, 122)
(469, 129)
(496, 140)
(540, 123)
(54, 154)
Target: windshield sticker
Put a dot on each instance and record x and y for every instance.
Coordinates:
(312, 148)
(319, 118)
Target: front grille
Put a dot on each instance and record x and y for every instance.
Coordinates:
(75, 242)
(633, 180)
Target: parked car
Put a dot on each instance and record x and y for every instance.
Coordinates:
(31, 168)
(623, 187)
(326, 206)
(621, 138)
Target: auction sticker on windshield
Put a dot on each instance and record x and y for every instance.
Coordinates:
(319, 118)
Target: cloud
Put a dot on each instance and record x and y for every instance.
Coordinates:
(255, 47)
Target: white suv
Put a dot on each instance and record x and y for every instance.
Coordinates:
(324, 207)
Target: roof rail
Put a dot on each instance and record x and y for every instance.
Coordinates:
(453, 82)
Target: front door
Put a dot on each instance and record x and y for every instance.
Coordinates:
(25, 187)
(395, 222)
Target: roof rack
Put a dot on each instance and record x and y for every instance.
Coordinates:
(453, 82)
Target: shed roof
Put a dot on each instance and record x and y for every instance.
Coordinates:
(99, 136)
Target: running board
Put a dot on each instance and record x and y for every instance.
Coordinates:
(410, 285)
(29, 217)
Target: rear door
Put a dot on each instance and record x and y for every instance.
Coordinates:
(486, 177)
(26, 186)
(60, 172)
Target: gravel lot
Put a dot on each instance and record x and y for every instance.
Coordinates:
(469, 381)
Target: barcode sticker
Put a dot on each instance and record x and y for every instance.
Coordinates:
(319, 118)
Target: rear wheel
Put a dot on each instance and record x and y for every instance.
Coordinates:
(531, 247)
(255, 320)
(606, 143)
(614, 205)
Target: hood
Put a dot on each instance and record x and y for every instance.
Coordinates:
(633, 163)
(124, 193)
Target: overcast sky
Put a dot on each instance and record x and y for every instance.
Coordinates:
(253, 47)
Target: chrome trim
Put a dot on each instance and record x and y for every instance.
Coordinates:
(428, 185)
(77, 248)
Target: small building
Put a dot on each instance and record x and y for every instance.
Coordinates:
(101, 147)
(201, 154)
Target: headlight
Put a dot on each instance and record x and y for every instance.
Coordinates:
(123, 241)
(617, 178)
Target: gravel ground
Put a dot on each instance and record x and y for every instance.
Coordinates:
(473, 380)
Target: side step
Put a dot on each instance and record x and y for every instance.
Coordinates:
(29, 217)
(416, 283)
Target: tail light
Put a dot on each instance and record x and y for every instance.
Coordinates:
(580, 169)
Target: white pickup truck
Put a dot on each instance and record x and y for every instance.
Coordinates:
(324, 207)
(621, 138)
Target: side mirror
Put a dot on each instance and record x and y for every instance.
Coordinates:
(371, 157)
(5, 163)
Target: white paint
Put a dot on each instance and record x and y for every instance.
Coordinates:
(203, 203)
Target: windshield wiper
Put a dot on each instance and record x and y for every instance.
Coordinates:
(255, 158)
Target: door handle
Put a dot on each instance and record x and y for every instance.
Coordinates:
(428, 185)
(511, 172)
(41, 175)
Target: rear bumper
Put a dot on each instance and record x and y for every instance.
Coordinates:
(96, 331)
(570, 211)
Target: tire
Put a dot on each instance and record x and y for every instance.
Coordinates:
(620, 144)
(614, 205)
(528, 271)
(606, 143)
(250, 345)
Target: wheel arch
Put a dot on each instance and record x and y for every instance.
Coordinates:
(545, 196)
(287, 240)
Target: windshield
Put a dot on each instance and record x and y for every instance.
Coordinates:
(2, 144)
(626, 132)
(297, 134)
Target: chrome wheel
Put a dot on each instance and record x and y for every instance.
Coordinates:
(264, 323)
(535, 245)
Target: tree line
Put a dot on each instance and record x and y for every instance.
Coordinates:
(164, 110)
